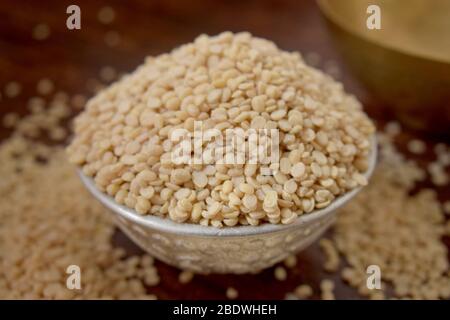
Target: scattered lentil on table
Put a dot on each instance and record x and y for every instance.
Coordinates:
(49, 222)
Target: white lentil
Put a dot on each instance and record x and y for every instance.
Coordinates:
(303, 291)
(112, 38)
(185, 276)
(232, 293)
(298, 170)
(12, 89)
(45, 86)
(280, 273)
(416, 146)
(41, 31)
(106, 15)
(290, 261)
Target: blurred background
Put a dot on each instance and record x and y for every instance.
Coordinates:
(37, 50)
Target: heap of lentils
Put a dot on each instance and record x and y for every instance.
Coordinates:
(49, 222)
(399, 230)
(123, 138)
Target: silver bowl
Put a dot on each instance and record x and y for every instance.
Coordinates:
(240, 249)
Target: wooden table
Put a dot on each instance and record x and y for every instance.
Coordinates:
(71, 57)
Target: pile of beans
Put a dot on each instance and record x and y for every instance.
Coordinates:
(400, 232)
(49, 222)
(230, 81)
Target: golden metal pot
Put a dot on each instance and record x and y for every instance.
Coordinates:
(406, 64)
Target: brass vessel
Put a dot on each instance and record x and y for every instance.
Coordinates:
(405, 64)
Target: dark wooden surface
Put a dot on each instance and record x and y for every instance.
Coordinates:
(71, 58)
